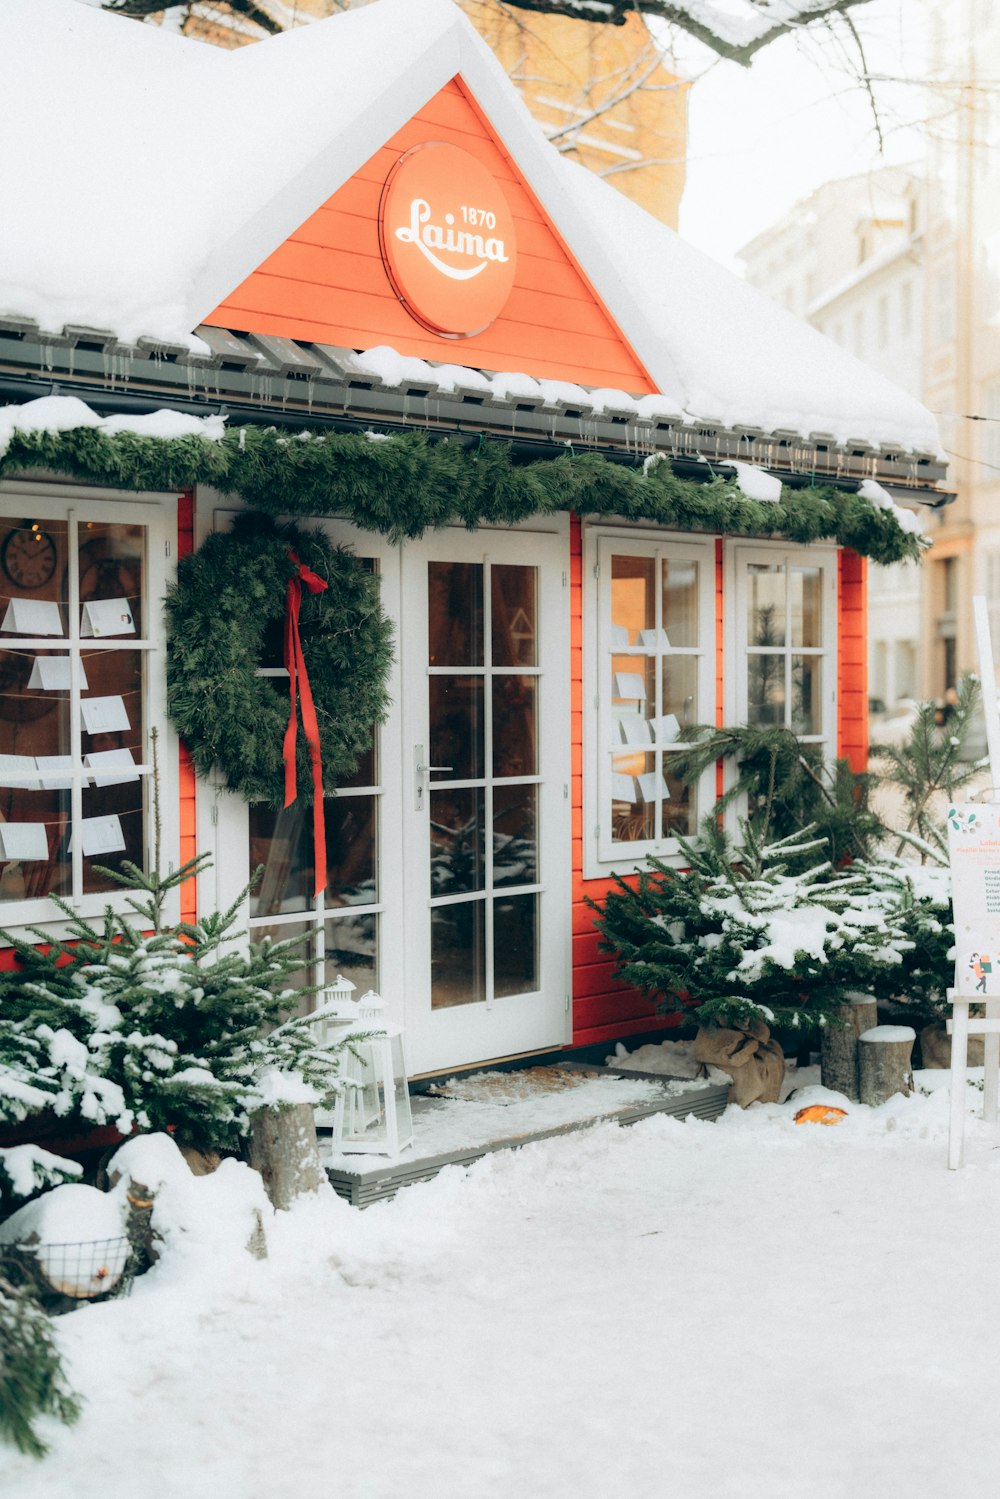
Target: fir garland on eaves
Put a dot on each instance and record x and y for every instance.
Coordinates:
(406, 484)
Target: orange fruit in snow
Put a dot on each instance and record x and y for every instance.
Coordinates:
(820, 1113)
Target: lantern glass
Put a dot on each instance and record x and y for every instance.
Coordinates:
(374, 1114)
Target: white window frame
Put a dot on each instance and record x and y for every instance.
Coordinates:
(46, 500)
(224, 818)
(738, 557)
(601, 856)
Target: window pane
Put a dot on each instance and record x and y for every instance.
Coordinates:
(766, 604)
(458, 954)
(678, 810)
(33, 572)
(514, 719)
(807, 717)
(515, 835)
(515, 627)
(352, 950)
(34, 816)
(680, 698)
(112, 559)
(515, 945)
(633, 792)
(807, 601)
(633, 693)
(112, 739)
(765, 690)
(350, 850)
(680, 602)
(456, 733)
(633, 599)
(457, 850)
(455, 613)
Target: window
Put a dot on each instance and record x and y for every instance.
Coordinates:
(785, 639)
(654, 680)
(81, 688)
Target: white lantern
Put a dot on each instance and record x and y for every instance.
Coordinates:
(373, 1113)
(334, 1017)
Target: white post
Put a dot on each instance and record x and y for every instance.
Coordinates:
(959, 1027)
(988, 684)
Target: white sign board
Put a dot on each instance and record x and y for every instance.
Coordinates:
(103, 715)
(974, 847)
(52, 674)
(106, 617)
(32, 617)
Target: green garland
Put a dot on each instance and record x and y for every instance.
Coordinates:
(402, 485)
(227, 596)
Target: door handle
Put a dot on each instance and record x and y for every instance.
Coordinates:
(421, 770)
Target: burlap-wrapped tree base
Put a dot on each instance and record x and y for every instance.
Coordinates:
(935, 1047)
(755, 1063)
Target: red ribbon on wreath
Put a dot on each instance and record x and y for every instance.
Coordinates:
(298, 686)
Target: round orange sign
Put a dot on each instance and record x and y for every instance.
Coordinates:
(448, 239)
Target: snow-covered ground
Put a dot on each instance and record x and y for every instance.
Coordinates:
(749, 1309)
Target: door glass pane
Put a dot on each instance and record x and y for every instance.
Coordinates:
(765, 690)
(458, 954)
(678, 805)
(515, 626)
(457, 850)
(680, 698)
(806, 588)
(806, 676)
(111, 576)
(456, 727)
(352, 949)
(680, 602)
(633, 599)
(306, 972)
(515, 707)
(455, 613)
(766, 604)
(33, 571)
(282, 842)
(515, 835)
(350, 850)
(515, 945)
(632, 815)
(366, 772)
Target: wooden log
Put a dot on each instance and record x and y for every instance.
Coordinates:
(284, 1149)
(884, 1062)
(838, 1046)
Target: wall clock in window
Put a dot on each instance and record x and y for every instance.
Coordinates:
(28, 556)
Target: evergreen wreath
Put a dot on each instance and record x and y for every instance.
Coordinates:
(228, 600)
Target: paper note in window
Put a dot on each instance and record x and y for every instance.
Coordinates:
(103, 760)
(51, 674)
(49, 765)
(654, 640)
(32, 617)
(19, 771)
(635, 730)
(629, 685)
(667, 728)
(100, 835)
(619, 638)
(647, 787)
(23, 840)
(103, 715)
(622, 788)
(107, 617)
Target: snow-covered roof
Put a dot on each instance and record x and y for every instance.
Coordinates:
(152, 174)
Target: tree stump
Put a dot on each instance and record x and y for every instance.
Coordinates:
(838, 1046)
(884, 1062)
(284, 1149)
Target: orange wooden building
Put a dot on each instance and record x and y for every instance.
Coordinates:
(396, 249)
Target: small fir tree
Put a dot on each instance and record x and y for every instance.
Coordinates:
(32, 1382)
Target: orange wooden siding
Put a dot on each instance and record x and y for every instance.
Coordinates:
(327, 284)
(852, 660)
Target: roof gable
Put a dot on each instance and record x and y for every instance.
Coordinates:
(327, 283)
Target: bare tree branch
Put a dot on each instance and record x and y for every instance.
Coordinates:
(737, 39)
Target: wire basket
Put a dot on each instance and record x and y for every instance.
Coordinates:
(64, 1276)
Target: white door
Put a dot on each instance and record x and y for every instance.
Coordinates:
(486, 733)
